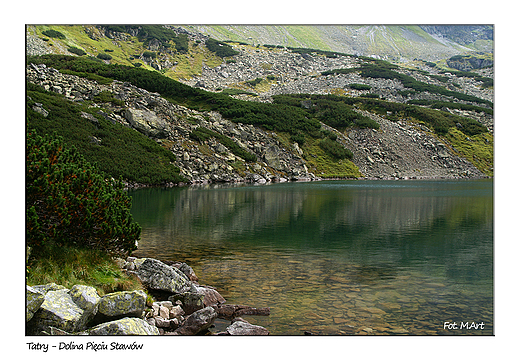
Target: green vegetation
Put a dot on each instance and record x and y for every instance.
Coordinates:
(335, 149)
(69, 203)
(254, 82)
(385, 70)
(277, 117)
(476, 148)
(69, 266)
(318, 104)
(104, 56)
(202, 134)
(434, 104)
(150, 54)
(117, 150)
(360, 86)
(76, 51)
(221, 49)
(53, 34)
(330, 109)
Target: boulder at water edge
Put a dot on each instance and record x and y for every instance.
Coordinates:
(124, 327)
(197, 322)
(156, 275)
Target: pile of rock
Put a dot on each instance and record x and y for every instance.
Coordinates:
(171, 124)
(184, 307)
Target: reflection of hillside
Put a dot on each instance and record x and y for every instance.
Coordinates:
(383, 220)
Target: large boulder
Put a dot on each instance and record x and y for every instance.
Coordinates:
(87, 298)
(124, 303)
(57, 310)
(124, 327)
(156, 275)
(211, 295)
(147, 122)
(197, 322)
(272, 157)
(33, 301)
(191, 301)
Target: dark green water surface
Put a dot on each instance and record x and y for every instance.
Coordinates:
(335, 257)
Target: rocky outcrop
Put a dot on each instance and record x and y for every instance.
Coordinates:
(190, 309)
(171, 125)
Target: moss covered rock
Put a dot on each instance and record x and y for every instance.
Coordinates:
(122, 303)
(124, 327)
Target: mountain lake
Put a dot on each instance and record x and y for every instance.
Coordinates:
(356, 257)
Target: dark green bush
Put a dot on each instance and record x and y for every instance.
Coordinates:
(104, 56)
(69, 203)
(76, 51)
(254, 82)
(150, 54)
(335, 149)
(53, 34)
(220, 49)
(360, 86)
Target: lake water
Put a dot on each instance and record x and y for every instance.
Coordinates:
(335, 257)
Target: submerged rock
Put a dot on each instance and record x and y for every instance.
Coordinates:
(243, 328)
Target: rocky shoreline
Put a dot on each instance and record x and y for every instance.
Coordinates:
(178, 305)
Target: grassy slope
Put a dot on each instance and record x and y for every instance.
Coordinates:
(77, 36)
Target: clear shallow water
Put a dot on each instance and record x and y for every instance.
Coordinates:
(338, 257)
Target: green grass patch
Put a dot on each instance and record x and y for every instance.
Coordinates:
(71, 266)
(478, 149)
(325, 165)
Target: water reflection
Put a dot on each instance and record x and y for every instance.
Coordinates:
(334, 257)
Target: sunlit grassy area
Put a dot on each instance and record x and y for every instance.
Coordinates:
(478, 149)
(70, 266)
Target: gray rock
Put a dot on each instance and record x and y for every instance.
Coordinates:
(124, 327)
(87, 299)
(158, 276)
(243, 328)
(123, 303)
(33, 301)
(147, 122)
(197, 322)
(191, 301)
(57, 310)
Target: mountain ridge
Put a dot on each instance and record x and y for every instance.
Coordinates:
(206, 141)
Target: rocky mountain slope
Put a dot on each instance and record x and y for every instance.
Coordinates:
(400, 148)
(389, 42)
